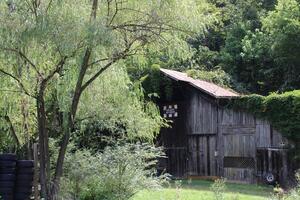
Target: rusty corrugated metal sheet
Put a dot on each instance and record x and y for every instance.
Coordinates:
(207, 87)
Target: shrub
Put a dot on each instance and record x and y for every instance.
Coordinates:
(116, 174)
(293, 194)
(218, 189)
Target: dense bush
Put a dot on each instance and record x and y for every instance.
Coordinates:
(116, 174)
(293, 194)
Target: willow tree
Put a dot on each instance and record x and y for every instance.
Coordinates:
(79, 40)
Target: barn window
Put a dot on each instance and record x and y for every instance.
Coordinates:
(239, 162)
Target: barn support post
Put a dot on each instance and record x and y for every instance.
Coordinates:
(220, 154)
(284, 175)
(270, 169)
(219, 143)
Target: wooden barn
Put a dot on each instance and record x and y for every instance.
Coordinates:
(207, 139)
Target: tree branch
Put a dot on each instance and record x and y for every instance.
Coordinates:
(18, 81)
(119, 56)
(12, 129)
(115, 13)
(94, 10)
(49, 5)
(25, 58)
(56, 70)
(86, 84)
(98, 61)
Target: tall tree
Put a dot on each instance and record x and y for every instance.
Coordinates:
(68, 44)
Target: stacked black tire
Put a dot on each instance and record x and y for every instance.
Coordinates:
(24, 180)
(7, 175)
(16, 178)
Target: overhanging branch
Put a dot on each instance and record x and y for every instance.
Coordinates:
(12, 129)
(121, 55)
(18, 81)
(22, 55)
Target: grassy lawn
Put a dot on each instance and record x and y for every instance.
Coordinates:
(200, 190)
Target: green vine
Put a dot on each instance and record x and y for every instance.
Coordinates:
(282, 110)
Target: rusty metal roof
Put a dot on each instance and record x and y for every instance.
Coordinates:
(204, 86)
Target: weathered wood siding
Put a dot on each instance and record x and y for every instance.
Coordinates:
(236, 141)
(201, 160)
(203, 115)
(235, 118)
(267, 136)
(202, 129)
(263, 133)
(239, 145)
(277, 139)
(174, 140)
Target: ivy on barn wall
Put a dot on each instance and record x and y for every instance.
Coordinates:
(282, 110)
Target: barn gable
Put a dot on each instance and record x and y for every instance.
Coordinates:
(208, 139)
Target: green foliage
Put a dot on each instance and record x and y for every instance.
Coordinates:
(118, 173)
(219, 189)
(283, 26)
(253, 41)
(293, 194)
(121, 108)
(282, 110)
(218, 76)
(16, 116)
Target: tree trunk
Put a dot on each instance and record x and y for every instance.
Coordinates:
(68, 125)
(12, 130)
(43, 145)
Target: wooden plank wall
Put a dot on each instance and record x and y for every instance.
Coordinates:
(235, 118)
(235, 133)
(203, 115)
(201, 160)
(263, 134)
(202, 128)
(277, 140)
(176, 162)
(236, 139)
(174, 139)
(239, 145)
(267, 136)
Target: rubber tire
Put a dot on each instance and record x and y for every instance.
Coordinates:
(7, 164)
(7, 171)
(7, 177)
(22, 195)
(20, 183)
(8, 157)
(7, 197)
(25, 164)
(270, 178)
(25, 171)
(6, 190)
(25, 177)
(23, 190)
(7, 184)
(22, 198)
